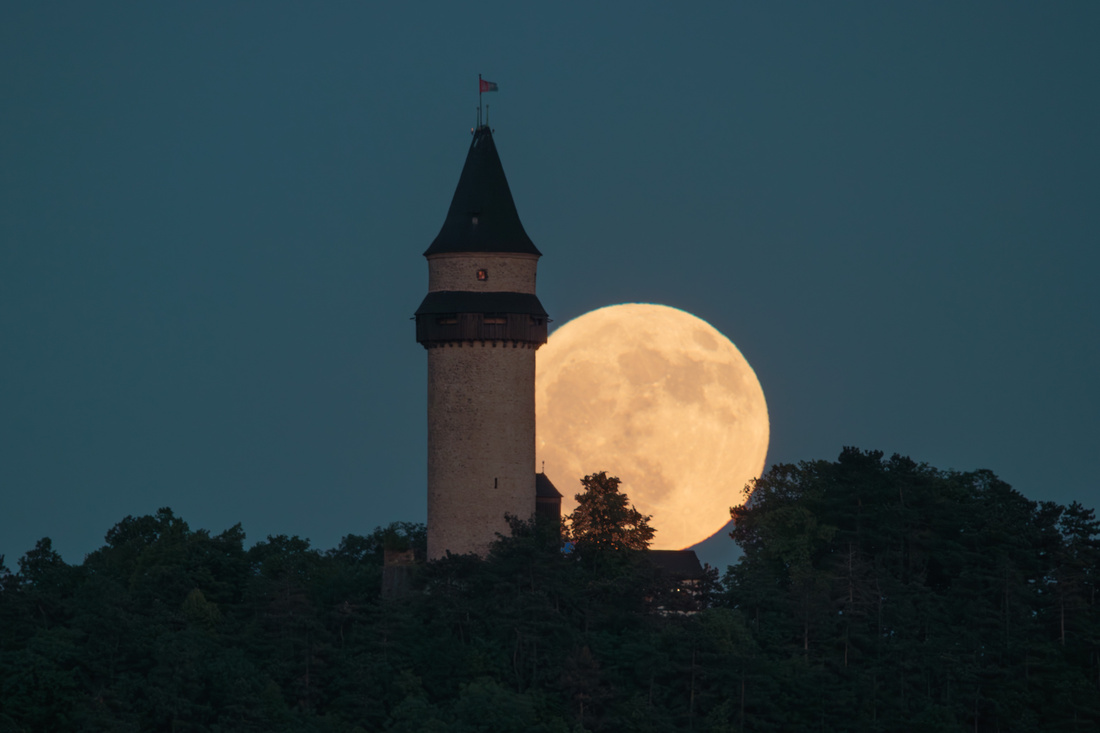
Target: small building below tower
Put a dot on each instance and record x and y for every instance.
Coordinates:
(547, 499)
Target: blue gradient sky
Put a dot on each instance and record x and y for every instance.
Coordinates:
(212, 216)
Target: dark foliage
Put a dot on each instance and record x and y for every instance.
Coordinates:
(874, 594)
(605, 520)
(889, 595)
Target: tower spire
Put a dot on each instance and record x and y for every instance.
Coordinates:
(482, 216)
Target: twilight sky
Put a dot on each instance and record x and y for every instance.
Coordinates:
(212, 217)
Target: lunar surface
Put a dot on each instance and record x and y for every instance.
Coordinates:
(662, 400)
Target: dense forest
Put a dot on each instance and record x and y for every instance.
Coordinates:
(874, 594)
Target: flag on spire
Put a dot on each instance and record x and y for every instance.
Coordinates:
(486, 86)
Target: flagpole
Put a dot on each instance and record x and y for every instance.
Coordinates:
(479, 100)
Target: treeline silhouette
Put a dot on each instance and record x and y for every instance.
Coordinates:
(874, 594)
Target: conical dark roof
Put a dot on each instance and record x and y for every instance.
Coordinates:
(483, 216)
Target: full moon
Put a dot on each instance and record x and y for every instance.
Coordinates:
(662, 400)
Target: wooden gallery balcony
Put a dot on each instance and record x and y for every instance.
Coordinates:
(455, 317)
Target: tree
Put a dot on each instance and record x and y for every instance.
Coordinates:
(603, 520)
(6, 578)
(893, 594)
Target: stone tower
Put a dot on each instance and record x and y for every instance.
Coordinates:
(481, 323)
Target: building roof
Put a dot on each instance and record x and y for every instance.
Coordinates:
(483, 216)
(680, 564)
(544, 488)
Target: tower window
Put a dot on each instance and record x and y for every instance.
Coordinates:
(482, 275)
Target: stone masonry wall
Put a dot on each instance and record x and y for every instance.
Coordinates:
(481, 443)
(508, 273)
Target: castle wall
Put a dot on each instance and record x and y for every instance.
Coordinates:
(481, 442)
(513, 273)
